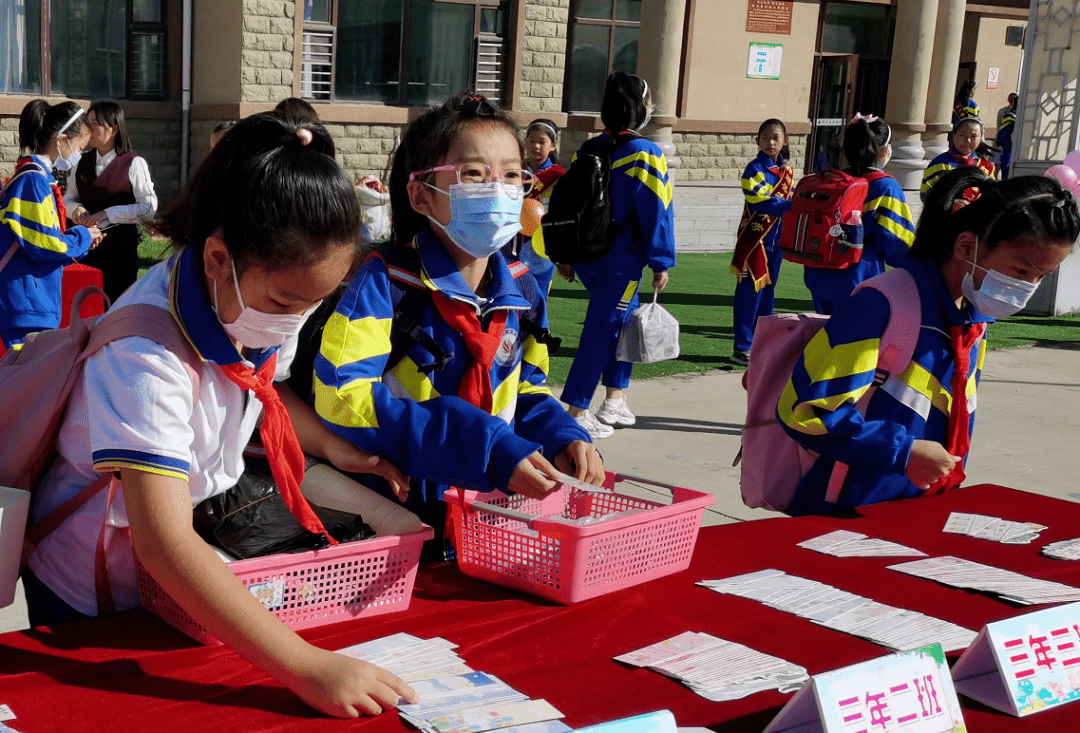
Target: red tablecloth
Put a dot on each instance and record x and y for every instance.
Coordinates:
(132, 672)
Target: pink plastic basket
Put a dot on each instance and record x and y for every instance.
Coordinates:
(314, 588)
(529, 544)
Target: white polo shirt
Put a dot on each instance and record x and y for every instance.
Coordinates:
(134, 407)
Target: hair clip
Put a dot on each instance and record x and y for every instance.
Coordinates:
(304, 136)
(474, 98)
(867, 118)
(969, 195)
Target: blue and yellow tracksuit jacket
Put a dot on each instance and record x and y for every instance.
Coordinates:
(641, 196)
(758, 181)
(416, 420)
(888, 232)
(1003, 137)
(30, 284)
(946, 162)
(817, 407)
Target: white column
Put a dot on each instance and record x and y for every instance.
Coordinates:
(660, 52)
(909, 79)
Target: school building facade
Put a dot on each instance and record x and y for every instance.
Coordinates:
(717, 68)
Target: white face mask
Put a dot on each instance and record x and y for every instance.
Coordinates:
(257, 330)
(70, 162)
(1000, 295)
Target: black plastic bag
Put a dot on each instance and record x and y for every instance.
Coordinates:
(252, 520)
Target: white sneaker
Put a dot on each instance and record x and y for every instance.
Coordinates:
(595, 429)
(615, 412)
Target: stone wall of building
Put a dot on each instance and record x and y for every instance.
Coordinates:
(543, 59)
(266, 61)
(159, 142)
(365, 149)
(719, 157)
(9, 144)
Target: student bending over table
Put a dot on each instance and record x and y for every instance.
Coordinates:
(436, 357)
(266, 228)
(972, 263)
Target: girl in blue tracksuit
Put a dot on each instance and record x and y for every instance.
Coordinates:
(887, 227)
(32, 221)
(641, 198)
(967, 135)
(972, 263)
(766, 185)
(435, 357)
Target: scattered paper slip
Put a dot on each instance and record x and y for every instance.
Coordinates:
(6, 714)
(843, 543)
(1015, 587)
(717, 669)
(994, 529)
(895, 628)
(454, 698)
(1063, 550)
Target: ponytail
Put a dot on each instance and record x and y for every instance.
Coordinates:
(273, 189)
(1035, 209)
(864, 139)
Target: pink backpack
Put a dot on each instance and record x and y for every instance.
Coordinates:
(36, 383)
(773, 462)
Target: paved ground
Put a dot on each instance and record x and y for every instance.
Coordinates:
(1026, 435)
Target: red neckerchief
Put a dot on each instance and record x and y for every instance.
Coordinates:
(58, 195)
(279, 437)
(958, 437)
(475, 387)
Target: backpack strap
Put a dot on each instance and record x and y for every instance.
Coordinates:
(139, 319)
(872, 176)
(530, 320)
(895, 349)
(25, 168)
(410, 298)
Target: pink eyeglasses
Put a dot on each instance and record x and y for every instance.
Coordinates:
(483, 173)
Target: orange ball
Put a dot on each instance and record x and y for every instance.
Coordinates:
(531, 213)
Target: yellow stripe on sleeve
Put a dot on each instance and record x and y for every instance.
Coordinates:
(803, 417)
(415, 382)
(115, 465)
(661, 188)
(900, 231)
(824, 362)
(351, 406)
(536, 353)
(347, 341)
(506, 393)
(919, 379)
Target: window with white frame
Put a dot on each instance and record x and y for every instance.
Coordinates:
(403, 52)
(83, 48)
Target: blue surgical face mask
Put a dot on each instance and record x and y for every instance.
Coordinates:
(483, 216)
(999, 295)
(70, 162)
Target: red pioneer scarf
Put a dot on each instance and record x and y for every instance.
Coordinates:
(958, 438)
(279, 437)
(475, 387)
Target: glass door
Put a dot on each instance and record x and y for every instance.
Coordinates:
(832, 105)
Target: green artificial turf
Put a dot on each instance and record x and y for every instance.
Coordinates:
(699, 295)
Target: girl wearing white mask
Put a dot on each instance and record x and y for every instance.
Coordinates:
(436, 357)
(35, 242)
(981, 249)
(266, 228)
(888, 230)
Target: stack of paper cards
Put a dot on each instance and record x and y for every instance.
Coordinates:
(1064, 550)
(843, 543)
(994, 529)
(1011, 586)
(895, 628)
(717, 669)
(454, 698)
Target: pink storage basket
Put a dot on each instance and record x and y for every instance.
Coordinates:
(528, 544)
(314, 588)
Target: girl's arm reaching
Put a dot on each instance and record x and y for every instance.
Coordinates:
(162, 537)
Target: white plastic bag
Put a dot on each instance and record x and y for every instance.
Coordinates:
(650, 334)
(374, 210)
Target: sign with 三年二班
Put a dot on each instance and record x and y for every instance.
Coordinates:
(764, 62)
(906, 692)
(1025, 664)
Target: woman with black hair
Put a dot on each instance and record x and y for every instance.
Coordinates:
(981, 248)
(112, 190)
(641, 198)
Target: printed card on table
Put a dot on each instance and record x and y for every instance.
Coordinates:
(1026, 664)
(493, 718)
(908, 692)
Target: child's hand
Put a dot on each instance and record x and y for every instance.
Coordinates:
(567, 272)
(659, 280)
(346, 688)
(80, 216)
(529, 477)
(351, 459)
(96, 235)
(581, 460)
(929, 462)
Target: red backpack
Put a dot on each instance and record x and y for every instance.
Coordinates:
(824, 226)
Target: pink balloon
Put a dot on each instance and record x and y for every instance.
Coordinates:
(1073, 160)
(1064, 175)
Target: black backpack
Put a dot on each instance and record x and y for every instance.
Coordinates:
(580, 223)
